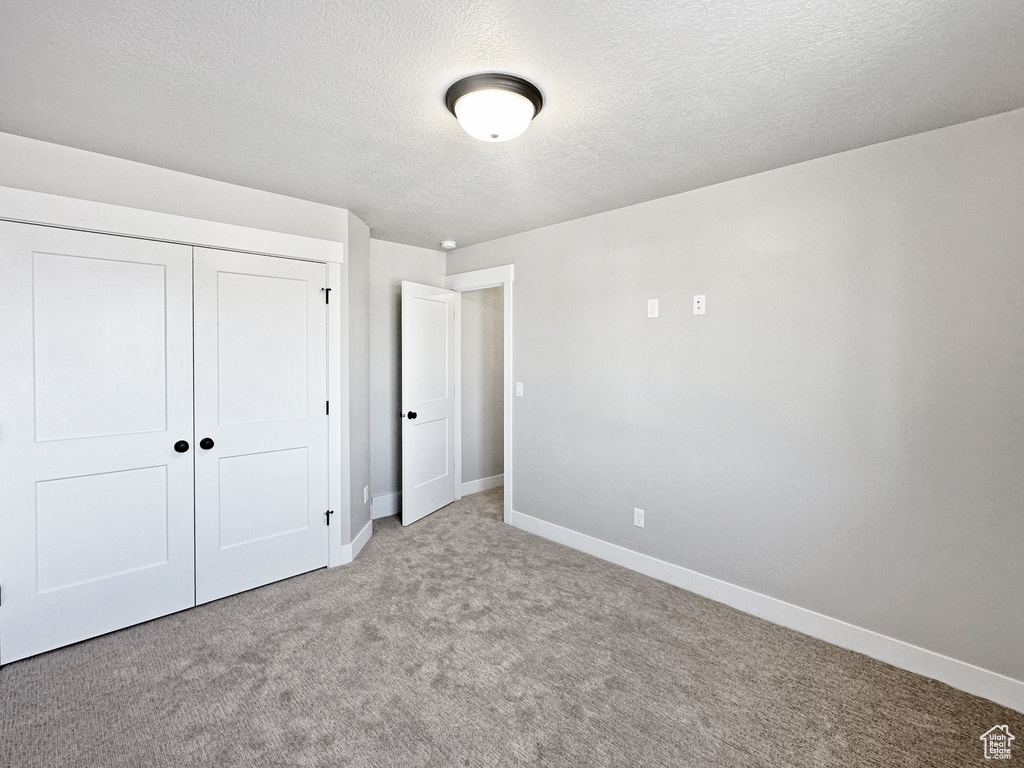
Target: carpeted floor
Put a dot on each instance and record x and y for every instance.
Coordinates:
(461, 641)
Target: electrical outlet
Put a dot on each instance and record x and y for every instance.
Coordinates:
(638, 517)
(698, 304)
(652, 307)
(366, 493)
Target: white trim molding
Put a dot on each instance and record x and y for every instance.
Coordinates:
(958, 674)
(385, 505)
(350, 551)
(337, 392)
(491, 277)
(40, 208)
(483, 484)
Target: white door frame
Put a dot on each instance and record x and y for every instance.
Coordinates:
(40, 208)
(492, 277)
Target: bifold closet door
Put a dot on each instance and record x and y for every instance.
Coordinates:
(96, 500)
(260, 420)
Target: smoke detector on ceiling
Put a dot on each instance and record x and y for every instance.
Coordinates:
(447, 245)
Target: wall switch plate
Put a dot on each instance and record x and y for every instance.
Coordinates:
(698, 305)
(652, 307)
(366, 493)
(638, 517)
(519, 389)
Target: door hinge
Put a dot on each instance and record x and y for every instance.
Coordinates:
(327, 295)
(328, 407)
(329, 513)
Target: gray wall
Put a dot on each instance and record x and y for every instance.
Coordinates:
(843, 429)
(390, 264)
(482, 391)
(357, 261)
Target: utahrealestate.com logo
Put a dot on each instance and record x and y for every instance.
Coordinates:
(997, 742)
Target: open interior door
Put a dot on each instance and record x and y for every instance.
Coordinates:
(428, 400)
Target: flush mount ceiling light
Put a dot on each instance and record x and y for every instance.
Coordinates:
(492, 106)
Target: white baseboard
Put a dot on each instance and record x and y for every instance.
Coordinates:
(349, 551)
(959, 674)
(386, 505)
(483, 484)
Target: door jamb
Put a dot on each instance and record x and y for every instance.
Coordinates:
(490, 277)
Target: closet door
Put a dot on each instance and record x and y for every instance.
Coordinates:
(261, 425)
(96, 503)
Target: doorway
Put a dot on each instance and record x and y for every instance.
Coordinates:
(501, 278)
(482, 370)
(428, 378)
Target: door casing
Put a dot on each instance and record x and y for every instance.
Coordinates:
(490, 277)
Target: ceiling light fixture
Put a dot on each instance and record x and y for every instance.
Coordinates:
(492, 106)
(448, 245)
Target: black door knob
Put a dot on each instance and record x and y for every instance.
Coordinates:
(206, 443)
(412, 414)
(181, 446)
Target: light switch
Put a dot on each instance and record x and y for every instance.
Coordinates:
(519, 389)
(652, 307)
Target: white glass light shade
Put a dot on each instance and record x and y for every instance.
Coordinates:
(494, 114)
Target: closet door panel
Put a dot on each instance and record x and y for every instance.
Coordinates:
(261, 340)
(100, 363)
(260, 393)
(96, 528)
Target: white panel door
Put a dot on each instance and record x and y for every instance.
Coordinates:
(96, 529)
(260, 400)
(428, 400)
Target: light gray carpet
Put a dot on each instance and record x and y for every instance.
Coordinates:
(463, 642)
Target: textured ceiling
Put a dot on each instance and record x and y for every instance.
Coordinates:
(342, 102)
